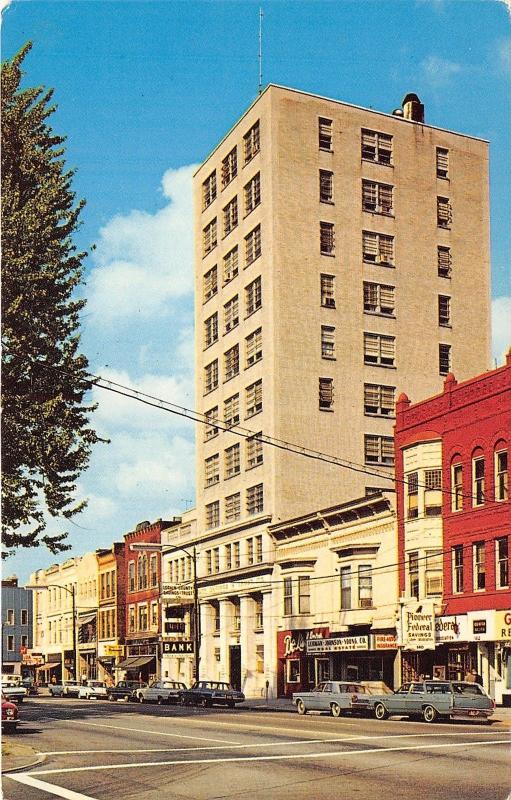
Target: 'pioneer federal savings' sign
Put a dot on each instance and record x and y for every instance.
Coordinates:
(418, 621)
(177, 648)
(337, 644)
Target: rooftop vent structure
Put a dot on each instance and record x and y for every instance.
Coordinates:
(413, 108)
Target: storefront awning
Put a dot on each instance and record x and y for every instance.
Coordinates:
(135, 661)
(86, 619)
(47, 667)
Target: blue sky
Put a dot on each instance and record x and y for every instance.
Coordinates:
(144, 91)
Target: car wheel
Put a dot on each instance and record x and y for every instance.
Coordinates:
(110, 696)
(300, 707)
(335, 709)
(205, 702)
(429, 714)
(380, 712)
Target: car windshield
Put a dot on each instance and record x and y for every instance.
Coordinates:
(97, 683)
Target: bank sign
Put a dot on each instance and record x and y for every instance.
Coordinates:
(418, 626)
(177, 648)
(337, 644)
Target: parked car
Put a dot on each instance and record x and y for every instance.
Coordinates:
(160, 692)
(335, 697)
(9, 715)
(93, 689)
(64, 689)
(14, 691)
(125, 690)
(208, 693)
(435, 699)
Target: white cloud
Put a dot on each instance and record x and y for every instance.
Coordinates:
(144, 260)
(507, 3)
(501, 326)
(439, 72)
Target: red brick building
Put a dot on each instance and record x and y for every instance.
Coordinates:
(454, 526)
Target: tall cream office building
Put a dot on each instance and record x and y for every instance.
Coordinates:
(342, 257)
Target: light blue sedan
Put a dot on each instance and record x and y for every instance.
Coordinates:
(334, 697)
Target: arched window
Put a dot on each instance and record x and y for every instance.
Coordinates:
(456, 483)
(478, 477)
(501, 466)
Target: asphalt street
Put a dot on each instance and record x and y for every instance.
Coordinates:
(113, 751)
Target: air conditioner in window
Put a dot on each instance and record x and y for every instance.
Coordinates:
(434, 584)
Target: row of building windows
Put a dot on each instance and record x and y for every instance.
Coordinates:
(231, 556)
(479, 494)
(11, 643)
(254, 504)
(236, 621)
(253, 245)
(377, 147)
(229, 166)
(143, 573)
(356, 590)
(107, 624)
(143, 617)
(10, 617)
(107, 587)
(232, 460)
(480, 554)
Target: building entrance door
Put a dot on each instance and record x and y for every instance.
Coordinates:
(235, 666)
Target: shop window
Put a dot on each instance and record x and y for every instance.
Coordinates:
(293, 670)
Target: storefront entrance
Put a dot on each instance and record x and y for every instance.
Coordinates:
(235, 666)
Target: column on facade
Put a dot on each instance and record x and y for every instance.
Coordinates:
(207, 654)
(248, 645)
(270, 642)
(226, 627)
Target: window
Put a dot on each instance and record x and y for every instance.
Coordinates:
(211, 330)
(10, 643)
(501, 475)
(304, 594)
(232, 410)
(254, 347)
(478, 550)
(211, 376)
(379, 349)
(288, 596)
(142, 572)
(10, 618)
(293, 670)
(212, 470)
(231, 265)
(253, 245)
(457, 487)
(232, 461)
(325, 133)
(209, 237)
(154, 616)
(254, 451)
(213, 515)
(142, 618)
(209, 562)
(444, 359)
(377, 197)
(229, 167)
(259, 619)
(378, 449)
(250, 551)
(131, 619)
(502, 565)
(232, 511)
(379, 298)
(24, 616)
(228, 548)
(236, 616)
(210, 283)
(413, 573)
(478, 481)
(433, 492)
(327, 342)
(326, 238)
(444, 261)
(131, 576)
(444, 310)
(365, 586)
(328, 291)
(24, 640)
(255, 504)
(379, 400)
(216, 559)
(434, 573)
(376, 147)
(443, 212)
(252, 193)
(209, 190)
(345, 587)
(231, 362)
(326, 394)
(413, 495)
(259, 549)
(153, 566)
(326, 186)
(457, 568)
(216, 617)
(442, 162)
(254, 398)
(378, 248)
(252, 142)
(237, 559)
(211, 430)
(230, 213)
(253, 296)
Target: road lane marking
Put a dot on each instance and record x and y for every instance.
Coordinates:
(287, 757)
(50, 788)
(155, 733)
(263, 744)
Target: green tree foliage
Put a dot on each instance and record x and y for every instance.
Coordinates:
(46, 435)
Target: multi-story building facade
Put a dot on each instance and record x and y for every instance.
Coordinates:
(16, 627)
(111, 626)
(454, 512)
(331, 241)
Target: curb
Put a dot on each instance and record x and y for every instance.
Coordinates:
(40, 758)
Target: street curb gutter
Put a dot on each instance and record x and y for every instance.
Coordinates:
(24, 767)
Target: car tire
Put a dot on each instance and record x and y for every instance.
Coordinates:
(336, 710)
(205, 702)
(429, 714)
(380, 712)
(110, 697)
(300, 707)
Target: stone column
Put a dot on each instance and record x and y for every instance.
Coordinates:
(226, 626)
(247, 642)
(270, 642)
(207, 621)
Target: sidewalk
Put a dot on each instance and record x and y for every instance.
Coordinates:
(17, 756)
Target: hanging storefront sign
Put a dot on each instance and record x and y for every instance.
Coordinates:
(177, 592)
(451, 629)
(418, 626)
(502, 626)
(177, 648)
(337, 644)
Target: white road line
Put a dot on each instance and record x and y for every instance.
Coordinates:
(57, 791)
(290, 757)
(263, 744)
(154, 733)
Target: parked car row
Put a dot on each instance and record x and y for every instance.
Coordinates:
(426, 700)
(204, 693)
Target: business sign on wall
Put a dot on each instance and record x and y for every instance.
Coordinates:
(384, 641)
(176, 648)
(337, 644)
(451, 629)
(481, 626)
(502, 626)
(418, 625)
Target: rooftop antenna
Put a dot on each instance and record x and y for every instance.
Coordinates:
(260, 50)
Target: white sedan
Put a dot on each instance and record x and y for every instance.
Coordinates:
(92, 689)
